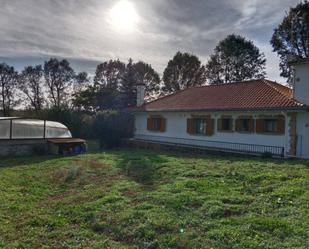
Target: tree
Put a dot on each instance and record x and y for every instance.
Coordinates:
(109, 74)
(183, 71)
(80, 82)
(128, 85)
(115, 86)
(58, 77)
(149, 77)
(235, 59)
(95, 98)
(291, 37)
(8, 85)
(31, 84)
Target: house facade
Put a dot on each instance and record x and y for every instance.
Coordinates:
(258, 116)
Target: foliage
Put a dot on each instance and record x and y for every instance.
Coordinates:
(115, 86)
(81, 81)
(59, 76)
(8, 86)
(291, 37)
(235, 59)
(128, 85)
(112, 126)
(31, 84)
(183, 71)
(96, 98)
(90, 201)
(109, 74)
(146, 75)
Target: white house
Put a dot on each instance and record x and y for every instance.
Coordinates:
(255, 116)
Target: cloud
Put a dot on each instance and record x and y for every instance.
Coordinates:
(34, 30)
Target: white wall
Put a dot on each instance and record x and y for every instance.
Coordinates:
(303, 135)
(301, 83)
(176, 127)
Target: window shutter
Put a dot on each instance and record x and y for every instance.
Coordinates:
(259, 126)
(219, 124)
(163, 124)
(149, 124)
(210, 127)
(190, 126)
(281, 126)
(238, 124)
(251, 125)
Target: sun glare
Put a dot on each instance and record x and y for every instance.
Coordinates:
(123, 16)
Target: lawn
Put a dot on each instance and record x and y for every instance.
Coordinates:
(130, 198)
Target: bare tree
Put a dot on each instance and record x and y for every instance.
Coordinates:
(8, 84)
(59, 77)
(31, 84)
(109, 74)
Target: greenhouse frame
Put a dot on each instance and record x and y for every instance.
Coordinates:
(13, 128)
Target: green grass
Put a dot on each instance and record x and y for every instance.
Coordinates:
(142, 199)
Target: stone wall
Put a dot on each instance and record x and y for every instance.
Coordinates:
(21, 147)
(292, 134)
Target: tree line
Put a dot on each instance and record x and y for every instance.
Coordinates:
(56, 85)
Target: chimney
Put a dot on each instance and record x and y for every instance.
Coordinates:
(300, 71)
(140, 94)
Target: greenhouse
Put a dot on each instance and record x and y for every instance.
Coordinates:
(18, 128)
(20, 136)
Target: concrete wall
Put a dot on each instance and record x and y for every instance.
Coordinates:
(20, 147)
(176, 127)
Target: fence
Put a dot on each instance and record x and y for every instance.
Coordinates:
(214, 145)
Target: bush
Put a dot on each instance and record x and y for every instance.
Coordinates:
(112, 126)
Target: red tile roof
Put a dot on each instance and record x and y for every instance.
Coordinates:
(246, 95)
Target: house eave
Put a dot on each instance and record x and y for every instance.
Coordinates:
(262, 109)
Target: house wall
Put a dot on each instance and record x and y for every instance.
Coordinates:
(301, 83)
(176, 131)
(303, 135)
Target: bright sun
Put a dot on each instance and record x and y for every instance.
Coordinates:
(123, 16)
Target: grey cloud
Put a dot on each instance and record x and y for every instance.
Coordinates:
(33, 30)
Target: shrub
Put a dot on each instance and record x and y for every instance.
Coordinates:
(112, 126)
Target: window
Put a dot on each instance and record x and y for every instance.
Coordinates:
(156, 123)
(270, 125)
(244, 125)
(274, 125)
(227, 124)
(200, 126)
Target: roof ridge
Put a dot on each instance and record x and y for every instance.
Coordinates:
(227, 84)
(269, 83)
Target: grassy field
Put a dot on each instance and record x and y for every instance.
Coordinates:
(142, 199)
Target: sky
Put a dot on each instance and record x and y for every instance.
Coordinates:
(88, 32)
